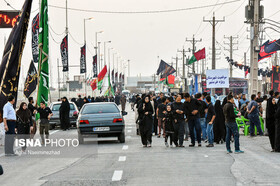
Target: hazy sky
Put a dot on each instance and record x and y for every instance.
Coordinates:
(142, 37)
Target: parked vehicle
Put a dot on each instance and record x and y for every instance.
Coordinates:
(55, 121)
(100, 120)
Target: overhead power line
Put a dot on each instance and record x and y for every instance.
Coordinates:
(146, 12)
(8, 4)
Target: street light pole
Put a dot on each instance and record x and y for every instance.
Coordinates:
(96, 47)
(105, 51)
(85, 52)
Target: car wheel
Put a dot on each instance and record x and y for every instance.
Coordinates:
(81, 139)
(121, 137)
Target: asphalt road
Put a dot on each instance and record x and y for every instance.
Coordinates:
(111, 163)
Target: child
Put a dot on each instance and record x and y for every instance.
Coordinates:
(169, 129)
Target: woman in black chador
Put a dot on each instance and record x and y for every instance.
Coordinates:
(64, 111)
(145, 111)
(219, 128)
(24, 122)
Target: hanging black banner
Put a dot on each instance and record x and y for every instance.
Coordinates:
(64, 53)
(35, 38)
(83, 67)
(94, 66)
(275, 85)
(30, 83)
(11, 60)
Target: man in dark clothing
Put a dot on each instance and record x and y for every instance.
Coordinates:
(178, 112)
(259, 98)
(161, 110)
(211, 115)
(117, 99)
(192, 107)
(80, 102)
(159, 100)
(270, 119)
(231, 125)
(31, 108)
(253, 115)
(202, 118)
(45, 115)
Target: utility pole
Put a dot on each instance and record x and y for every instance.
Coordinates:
(66, 33)
(245, 61)
(214, 22)
(176, 58)
(254, 15)
(183, 66)
(193, 42)
(128, 64)
(231, 49)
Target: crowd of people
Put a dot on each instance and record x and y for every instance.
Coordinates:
(181, 116)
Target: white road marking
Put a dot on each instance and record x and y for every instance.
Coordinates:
(206, 156)
(122, 158)
(129, 131)
(129, 127)
(117, 175)
(53, 132)
(128, 137)
(125, 147)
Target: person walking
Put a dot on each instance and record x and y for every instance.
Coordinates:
(123, 102)
(270, 119)
(231, 125)
(179, 121)
(192, 107)
(253, 114)
(45, 115)
(169, 125)
(145, 110)
(24, 122)
(32, 108)
(264, 106)
(80, 102)
(161, 110)
(211, 115)
(202, 119)
(9, 118)
(64, 111)
(219, 128)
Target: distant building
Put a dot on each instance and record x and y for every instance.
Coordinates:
(141, 84)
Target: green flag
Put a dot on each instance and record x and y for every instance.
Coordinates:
(110, 90)
(192, 60)
(43, 90)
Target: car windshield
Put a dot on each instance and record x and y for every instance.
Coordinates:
(100, 108)
(57, 106)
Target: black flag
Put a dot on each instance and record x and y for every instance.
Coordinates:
(83, 67)
(165, 69)
(64, 53)
(35, 38)
(94, 66)
(11, 61)
(31, 80)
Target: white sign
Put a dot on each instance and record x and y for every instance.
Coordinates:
(217, 78)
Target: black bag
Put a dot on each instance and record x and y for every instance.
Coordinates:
(1, 170)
